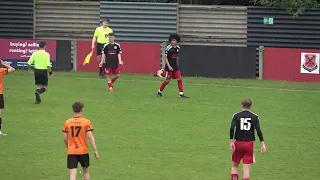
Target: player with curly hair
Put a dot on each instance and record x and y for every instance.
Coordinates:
(172, 70)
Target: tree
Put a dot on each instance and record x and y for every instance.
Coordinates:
(294, 7)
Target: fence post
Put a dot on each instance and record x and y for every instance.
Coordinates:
(34, 18)
(163, 54)
(261, 58)
(74, 54)
(177, 18)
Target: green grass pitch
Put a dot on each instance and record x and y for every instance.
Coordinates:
(142, 137)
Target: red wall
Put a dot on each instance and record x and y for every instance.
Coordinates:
(138, 58)
(284, 64)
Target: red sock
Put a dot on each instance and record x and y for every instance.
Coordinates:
(245, 179)
(114, 79)
(180, 86)
(163, 85)
(234, 176)
(110, 84)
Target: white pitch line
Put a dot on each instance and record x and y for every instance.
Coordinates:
(218, 85)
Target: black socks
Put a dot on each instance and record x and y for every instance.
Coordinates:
(101, 71)
(40, 91)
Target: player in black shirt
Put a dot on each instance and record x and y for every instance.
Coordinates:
(111, 58)
(245, 123)
(172, 70)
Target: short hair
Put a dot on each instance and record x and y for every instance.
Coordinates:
(77, 106)
(42, 44)
(174, 36)
(112, 34)
(246, 103)
(106, 20)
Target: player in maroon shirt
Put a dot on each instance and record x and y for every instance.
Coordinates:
(245, 123)
(172, 70)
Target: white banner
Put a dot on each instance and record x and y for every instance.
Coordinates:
(309, 63)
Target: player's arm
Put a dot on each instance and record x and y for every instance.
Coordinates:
(94, 38)
(92, 140)
(104, 54)
(65, 139)
(167, 61)
(65, 134)
(259, 132)
(48, 64)
(9, 68)
(119, 55)
(178, 57)
(232, 127)
(93, 143)
(89, 130)
(30, 62)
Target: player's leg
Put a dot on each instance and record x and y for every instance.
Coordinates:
(236, 158)
(37, 81)
(85, 163)
(177, 75)
(73, 174)
(86, 175)
(246, 171)
(166, 81)
(234, 171)
(44, 83)
(1, 108)
(72, 164)
(99, 53)
(116, 73)
(248, 159)
(108, 72)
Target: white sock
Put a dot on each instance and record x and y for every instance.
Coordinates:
(159, 91)
(181, 93)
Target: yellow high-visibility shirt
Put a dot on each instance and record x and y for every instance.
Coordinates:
(40, 59)
(102, 34)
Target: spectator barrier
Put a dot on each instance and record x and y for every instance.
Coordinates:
(288, 64)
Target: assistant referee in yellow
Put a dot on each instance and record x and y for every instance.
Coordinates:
(101, 36)
(42, 66)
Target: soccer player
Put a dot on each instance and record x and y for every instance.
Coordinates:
(172, 66)
(76, 131)
(111, 58)
(245, 123)
(101, 37)
(4, 69)
(42, 65)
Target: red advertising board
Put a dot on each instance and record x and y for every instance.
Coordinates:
(288, 64)
(138, 58)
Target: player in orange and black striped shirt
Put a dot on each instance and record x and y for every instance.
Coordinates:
(4, 69)
(76, 131)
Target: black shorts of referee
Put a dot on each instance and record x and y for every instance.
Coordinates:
(99, 49)
(41, 77)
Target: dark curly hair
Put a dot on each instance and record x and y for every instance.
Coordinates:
(174, 36)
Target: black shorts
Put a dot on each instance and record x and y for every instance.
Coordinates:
(41, 77)
(73, 160)
(99, 49)
(1, 101)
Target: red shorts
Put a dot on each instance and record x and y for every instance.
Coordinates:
(245, 151)
(173, 74)
(109, 71)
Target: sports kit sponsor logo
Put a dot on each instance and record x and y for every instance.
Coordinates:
(309, 63)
